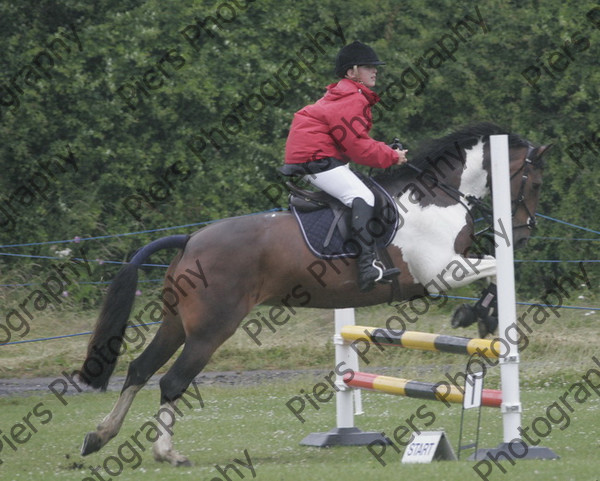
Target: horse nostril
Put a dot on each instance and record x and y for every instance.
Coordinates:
(521, 243)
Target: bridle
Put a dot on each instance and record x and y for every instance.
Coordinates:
(470, 201)
(520, 199)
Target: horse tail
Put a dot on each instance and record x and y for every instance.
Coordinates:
(105, 344)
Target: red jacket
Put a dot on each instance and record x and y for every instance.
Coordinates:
(338, 125)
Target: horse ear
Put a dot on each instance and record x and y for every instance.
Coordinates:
(541, 151)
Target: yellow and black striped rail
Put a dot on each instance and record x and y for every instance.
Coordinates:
(422, 340)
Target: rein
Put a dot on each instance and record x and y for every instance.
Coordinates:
(456, 194)
(469, 200)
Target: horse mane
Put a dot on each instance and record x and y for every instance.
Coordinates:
(430, 151)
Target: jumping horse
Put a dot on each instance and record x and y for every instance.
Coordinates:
(225, 269)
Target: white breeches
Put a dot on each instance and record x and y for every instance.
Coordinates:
(342, 184)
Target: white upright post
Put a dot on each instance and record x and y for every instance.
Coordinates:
(505, 278)
(345, 433)
(513, 446)
(344, 354)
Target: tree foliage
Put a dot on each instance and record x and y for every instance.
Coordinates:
(134, 103)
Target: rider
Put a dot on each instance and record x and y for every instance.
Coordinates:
(325, 136)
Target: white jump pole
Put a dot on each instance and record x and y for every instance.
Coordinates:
(346, 398)
(511, 407)
(505, 279)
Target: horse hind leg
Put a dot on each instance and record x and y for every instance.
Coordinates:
(209, 331)
(167, 340)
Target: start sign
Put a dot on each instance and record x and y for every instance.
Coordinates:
(428, 446)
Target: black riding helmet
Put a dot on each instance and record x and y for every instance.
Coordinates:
(356, 53)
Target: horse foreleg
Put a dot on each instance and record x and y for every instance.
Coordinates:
(173, 384)
(461, 271)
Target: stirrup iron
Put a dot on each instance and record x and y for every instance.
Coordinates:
(385, 275)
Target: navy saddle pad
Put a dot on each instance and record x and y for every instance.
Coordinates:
(328, 234)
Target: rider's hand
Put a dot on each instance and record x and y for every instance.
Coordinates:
(401, 156)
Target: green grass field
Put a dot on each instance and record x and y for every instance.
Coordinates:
(253, 421)
(256, 420)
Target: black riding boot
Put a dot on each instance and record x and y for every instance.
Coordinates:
(368, 273)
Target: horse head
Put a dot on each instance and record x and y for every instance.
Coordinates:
(456, 169)
(526, 169)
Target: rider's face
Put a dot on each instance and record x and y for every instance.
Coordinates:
(365, 74)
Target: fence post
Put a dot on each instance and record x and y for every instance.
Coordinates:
(345, 434)
(512, 445)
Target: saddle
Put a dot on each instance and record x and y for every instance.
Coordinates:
(326, 224)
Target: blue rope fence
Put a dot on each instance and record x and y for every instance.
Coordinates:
(81, 239)
(78, 239)
(52, 338)
(568, 224)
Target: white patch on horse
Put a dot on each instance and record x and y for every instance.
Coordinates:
(473, 180)
(428, 234)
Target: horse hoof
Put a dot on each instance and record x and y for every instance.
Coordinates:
(487, 325)
(463, 316)
(177, 459)
(172, 457)
(91, 443)
(185, 462)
